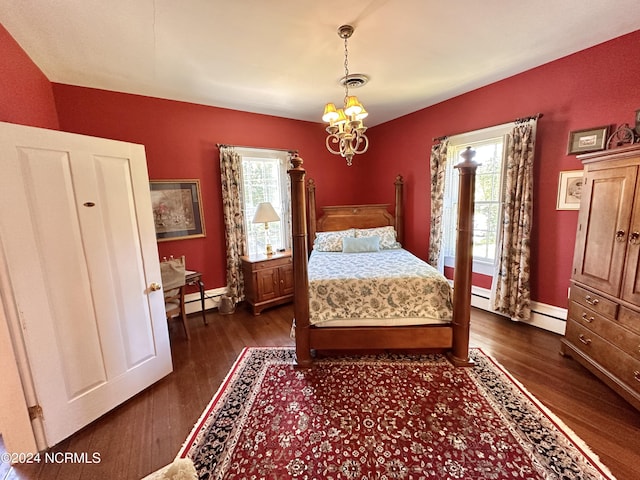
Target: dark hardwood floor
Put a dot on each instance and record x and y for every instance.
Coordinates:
(146, 432)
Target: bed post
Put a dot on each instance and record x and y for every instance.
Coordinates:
(300, 257)
(311, 191)
(459, 355)
(399, 216)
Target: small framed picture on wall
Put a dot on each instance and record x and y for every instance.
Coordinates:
(589, 140)
(569, 190)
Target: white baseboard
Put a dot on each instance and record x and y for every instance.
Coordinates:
(211, 300)
(547, 317)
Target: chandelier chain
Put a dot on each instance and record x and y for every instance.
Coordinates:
(346, 70)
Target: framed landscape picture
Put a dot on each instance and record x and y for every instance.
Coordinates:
(177, 209)
(569, 190)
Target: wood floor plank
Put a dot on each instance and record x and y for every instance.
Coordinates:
(146, 432)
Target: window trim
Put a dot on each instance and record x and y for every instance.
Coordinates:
(468, 139)
(283, 159)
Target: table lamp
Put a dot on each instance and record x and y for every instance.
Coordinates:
(265, 213)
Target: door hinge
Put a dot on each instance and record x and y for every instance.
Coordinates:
(35, 412)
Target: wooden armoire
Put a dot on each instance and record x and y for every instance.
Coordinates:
(603, 324)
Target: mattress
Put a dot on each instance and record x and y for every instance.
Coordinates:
(389, 287)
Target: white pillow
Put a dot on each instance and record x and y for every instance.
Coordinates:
(331, 241)
(387, 236)
(363, 244)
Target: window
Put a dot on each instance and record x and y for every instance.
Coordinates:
(265, 179)
(489, 147)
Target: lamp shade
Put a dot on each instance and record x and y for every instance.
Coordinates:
(265, 213)
(352, 106)
(330, 113)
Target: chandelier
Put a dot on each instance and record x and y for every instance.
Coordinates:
(346, 130)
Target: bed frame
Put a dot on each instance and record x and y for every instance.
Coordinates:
(452, 338)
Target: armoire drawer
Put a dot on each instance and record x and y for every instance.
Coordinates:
(609, 330)
(629, 319)
(595, 302)
(614, 360)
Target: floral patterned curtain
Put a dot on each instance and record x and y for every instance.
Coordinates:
(438, 166)
(234, 226)
(510, 293)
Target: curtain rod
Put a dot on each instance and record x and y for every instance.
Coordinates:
(516, 121)
(288, 150)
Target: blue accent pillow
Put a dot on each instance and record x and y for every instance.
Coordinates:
(362, 244)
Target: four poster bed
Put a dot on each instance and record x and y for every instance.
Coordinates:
(361, 290)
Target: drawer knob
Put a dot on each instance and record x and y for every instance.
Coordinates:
(586, 318)
(591, 301)
(633, 238)
(584, 340)
(636, 375)
(620, 236)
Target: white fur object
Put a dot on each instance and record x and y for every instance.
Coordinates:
(179, 469)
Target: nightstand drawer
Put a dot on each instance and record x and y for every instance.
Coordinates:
(271, 263)
(593, 301)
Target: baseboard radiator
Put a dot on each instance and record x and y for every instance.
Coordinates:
(211, 300)
(546, 317)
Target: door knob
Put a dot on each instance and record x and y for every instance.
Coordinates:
(154, 287)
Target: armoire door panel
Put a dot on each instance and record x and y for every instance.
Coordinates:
(631, 281)
(600, 252)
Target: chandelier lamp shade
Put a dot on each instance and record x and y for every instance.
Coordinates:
(346, 128)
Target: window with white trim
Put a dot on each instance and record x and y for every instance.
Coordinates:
(265, 179)
(489, 145)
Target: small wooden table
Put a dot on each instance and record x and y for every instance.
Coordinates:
(268, 280)
(195, 278)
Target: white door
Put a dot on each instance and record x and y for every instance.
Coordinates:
(77, 231)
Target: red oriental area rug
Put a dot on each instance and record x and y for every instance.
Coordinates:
(388, 416)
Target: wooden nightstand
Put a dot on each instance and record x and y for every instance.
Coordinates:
(268, 280)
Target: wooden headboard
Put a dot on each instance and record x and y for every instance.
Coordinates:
(341, 217)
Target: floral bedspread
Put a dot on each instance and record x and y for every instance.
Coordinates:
(388, 284)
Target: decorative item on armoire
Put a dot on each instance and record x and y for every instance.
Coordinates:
(623, 135)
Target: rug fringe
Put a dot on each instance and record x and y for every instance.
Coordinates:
(573, 437)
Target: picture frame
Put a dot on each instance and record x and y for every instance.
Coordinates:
(588, 140)
(177, 209)
(569, 190)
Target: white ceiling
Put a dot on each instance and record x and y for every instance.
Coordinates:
(284, 57)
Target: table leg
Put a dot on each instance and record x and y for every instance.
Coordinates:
(201, 288)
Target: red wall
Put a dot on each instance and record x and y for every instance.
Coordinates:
(180, 141)
(26, 96)
(595, 87)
